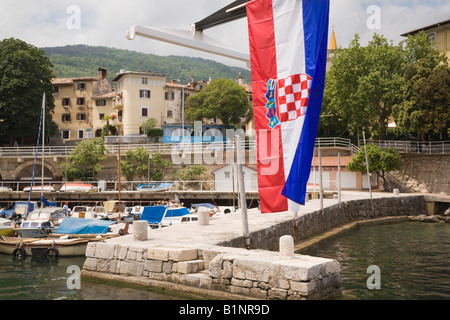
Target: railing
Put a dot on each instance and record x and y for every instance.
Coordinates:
(430, 147)
(113, 185)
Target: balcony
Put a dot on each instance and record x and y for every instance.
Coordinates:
(118, 101)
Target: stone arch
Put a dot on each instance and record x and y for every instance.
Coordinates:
(25, 170)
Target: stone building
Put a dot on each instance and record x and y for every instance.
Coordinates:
(81, 104)
(439, 33)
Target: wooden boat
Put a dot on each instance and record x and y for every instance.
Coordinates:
(52, 247)
(7, 227)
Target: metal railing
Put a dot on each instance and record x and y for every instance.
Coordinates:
(113, 185)
(430, 147)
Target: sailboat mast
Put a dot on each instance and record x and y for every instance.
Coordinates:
(43, 145)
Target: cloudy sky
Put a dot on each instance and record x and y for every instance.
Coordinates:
(99, 22)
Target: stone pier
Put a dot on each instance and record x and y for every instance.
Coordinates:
(210, 259)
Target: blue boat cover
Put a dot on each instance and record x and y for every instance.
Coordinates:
(83, 226)
(154, 214)
(207, 205)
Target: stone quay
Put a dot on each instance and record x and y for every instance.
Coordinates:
(211, 259)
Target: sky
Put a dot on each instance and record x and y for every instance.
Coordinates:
(50, 23)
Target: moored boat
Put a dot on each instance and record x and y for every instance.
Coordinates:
(77, 187)
(7, 227)
(40, 222)
(20, 247)
(154, 187)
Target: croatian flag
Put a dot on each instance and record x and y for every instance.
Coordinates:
(288, 49)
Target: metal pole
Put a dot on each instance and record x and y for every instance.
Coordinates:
(339, 177)
(367, 168)
(182, 114)
(320, 177)
(242, 192)
(43, 145)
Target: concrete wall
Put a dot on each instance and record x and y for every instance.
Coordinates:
(425, 173)
(331, 217)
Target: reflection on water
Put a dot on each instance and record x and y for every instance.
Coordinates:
(413, 259)
(35, 278)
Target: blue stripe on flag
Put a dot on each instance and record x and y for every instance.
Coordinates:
(315, 25)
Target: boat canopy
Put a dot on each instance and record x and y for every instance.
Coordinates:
(83, 226)
(207, 205)
(154, 214)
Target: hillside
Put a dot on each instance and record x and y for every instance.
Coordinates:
(81, 60)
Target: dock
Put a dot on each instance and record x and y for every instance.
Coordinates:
(212, 259)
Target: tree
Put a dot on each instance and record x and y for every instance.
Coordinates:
(380, 161)
(84, 162)
(25, 75)
(422, 59)
(363, 84)
(222, 98)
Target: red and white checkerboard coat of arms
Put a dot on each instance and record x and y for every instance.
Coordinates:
(291, 97)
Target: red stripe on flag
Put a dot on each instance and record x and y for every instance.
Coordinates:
(271, 177)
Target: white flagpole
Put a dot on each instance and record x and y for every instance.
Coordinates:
(242, 192)
(367, 168)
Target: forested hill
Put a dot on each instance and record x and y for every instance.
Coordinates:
(81, 60)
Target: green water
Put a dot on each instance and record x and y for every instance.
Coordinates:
(35, 278)
(413, 260)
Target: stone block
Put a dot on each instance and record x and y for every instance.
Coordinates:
(90, 250)
(153, 265)
(252, 268)
(90, 264)
(303, 288)
(104, 251)
(190, 266)
(158, 254)
(183, 254)
(122, 252)
(136, 268)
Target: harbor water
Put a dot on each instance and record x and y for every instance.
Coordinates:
(405, 261)
(41, 278)
(408, 261)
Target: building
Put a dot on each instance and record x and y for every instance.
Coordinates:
(80, 105)
(223, 178)
(140, 96)
(174, 92)
(437, 32)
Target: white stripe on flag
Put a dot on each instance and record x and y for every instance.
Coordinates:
(290, 48)
(289, 37)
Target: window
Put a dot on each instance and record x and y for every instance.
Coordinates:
(81, 116)
(144, 112)
(170, 95)
(56, 89)
(80, 134)
(144, 94)
(65, 117)
(101, 116)
(65, 134)
(100, 103)
(227, 174)
(65, 102)
(81, 86)
(169, 113)
(144, 80)
(80, 101)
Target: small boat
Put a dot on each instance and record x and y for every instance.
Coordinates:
(40, 222)
(213, 209)
(168, 221)
(7, 227)
(20, 209)
(83, 227)
(19, 247)
(76, 187)
(5, 189)
(45, 188)
(154, 187)
(158, 216)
